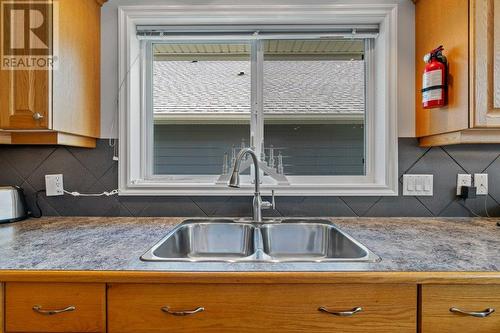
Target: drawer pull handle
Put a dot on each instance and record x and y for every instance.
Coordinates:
(480, 314)
(166, 309)
(349, 313)
(38, 308)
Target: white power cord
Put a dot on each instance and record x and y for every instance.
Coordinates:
(105, 193)
(111, 141)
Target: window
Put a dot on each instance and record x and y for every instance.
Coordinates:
(315, 105)
(201, 105)
(311, 99)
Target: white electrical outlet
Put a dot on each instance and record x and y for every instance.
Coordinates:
(463, 180)
(481, 183)
(54, 185)
(418, 185)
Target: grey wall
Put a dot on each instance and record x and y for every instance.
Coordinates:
(326, 149)
(92, 170)
(195, 149)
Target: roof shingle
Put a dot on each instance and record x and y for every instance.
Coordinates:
(290, 87)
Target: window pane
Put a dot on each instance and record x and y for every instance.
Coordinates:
(314, 106)
(201, 104)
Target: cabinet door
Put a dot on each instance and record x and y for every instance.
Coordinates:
(243, 308)
(453, 309)
(55, 307)
(24, 99)
(453, 18)
(485, 63)
(24, 90)
(76, 81)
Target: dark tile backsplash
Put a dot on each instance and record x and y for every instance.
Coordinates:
(92, 170)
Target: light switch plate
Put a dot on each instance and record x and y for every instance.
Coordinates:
(463, 180)
(481, 183)
(54, 185)
(418, 185)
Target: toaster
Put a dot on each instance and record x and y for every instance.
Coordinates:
(12, 204)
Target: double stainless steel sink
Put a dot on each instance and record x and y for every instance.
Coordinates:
(288, 240)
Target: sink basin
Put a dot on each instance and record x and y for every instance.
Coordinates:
(310, 240)
(217, 240)
(300, 240)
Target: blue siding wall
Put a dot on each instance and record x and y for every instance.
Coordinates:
(329, 149)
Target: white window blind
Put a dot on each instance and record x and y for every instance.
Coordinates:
(257, 32)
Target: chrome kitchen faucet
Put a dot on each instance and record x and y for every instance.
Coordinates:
(258, 204)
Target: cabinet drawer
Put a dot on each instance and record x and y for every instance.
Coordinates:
(438, 300)
(87, 299)
(261, 308)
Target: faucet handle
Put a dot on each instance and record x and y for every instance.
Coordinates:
(269, 205)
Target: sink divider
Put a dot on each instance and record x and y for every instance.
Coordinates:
(258, 242)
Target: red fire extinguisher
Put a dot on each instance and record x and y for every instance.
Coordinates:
(434, 83)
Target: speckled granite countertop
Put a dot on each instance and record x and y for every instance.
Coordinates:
(115, 244)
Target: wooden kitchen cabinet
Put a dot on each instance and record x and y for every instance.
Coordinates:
(284, 302)
(261, 308)
(470, 33)
(437, 300)
(81, 307)
(59, 106)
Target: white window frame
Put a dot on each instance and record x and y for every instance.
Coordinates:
(134, 101)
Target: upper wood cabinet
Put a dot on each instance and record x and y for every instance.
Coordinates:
(485, 51)
(60, 105)
(470, 33)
